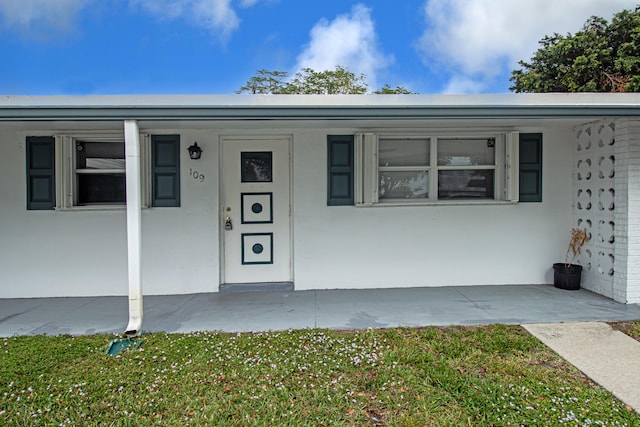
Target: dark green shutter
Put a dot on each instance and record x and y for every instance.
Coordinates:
(530, 167)
(340, 170)
(165, 170)
(41, 173)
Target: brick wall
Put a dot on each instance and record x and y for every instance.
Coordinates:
(627, 213)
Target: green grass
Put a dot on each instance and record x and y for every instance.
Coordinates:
(631, 328)
(473, 376)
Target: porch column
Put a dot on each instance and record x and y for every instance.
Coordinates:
(134, 225)
(626, 287)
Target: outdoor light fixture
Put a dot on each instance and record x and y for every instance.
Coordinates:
(194, 151)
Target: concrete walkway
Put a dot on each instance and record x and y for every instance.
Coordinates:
(608, 357)
(337, 309)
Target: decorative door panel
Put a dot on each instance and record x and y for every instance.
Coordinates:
(255, 218)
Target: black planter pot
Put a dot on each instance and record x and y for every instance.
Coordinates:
(567, 276)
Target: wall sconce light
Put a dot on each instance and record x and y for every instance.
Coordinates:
(194, 151)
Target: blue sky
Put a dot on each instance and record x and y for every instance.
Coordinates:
(214, 46)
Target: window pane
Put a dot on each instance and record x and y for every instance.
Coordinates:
(466, 152)
(99, 188)
(469, 184)
(256, 166)
(100, 155)
(403, 152)
(404, 185)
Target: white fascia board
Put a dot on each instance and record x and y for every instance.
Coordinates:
(232, 101)
(334, 107)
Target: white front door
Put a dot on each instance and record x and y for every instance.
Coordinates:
(256, 213)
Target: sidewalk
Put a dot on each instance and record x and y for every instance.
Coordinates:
(608, 357)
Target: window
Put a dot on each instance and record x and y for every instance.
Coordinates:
(466, 168)
(89, 171)
(436, 169)
(92, 171)
(403, 169)
(99, 173)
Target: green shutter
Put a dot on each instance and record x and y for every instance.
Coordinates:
(530, 167)
(41, 183)
(165, 170)
(340, 170)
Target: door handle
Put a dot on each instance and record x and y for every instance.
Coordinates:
(228, 225)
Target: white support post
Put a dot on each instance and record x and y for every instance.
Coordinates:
(134, 226)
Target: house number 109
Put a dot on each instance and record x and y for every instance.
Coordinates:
(196, 175)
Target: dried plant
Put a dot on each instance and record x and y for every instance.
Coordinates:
(579, 238)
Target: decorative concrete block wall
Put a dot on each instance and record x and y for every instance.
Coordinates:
(607, 205)
(595, 204)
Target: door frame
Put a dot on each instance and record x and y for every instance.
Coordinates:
(257, 138)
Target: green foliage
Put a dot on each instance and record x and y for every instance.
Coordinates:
(265, 82)
(338, 81)
(602, 57)
(311, 82)
(482, 376)
(388, 90)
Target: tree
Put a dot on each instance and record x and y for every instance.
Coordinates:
(265, 82)
(602, 57)
(388, 90)
(339, 81)
(309, 81)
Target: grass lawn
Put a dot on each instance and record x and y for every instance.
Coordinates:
(458, 376)
(630, 328)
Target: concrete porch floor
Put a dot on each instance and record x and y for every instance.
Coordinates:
(336, 309)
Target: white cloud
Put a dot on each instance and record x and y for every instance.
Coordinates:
(481, 39)
(462, 84)
(349, 41)
(216, 16)
(39, 17)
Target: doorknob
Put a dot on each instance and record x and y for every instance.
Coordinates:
(228, 225)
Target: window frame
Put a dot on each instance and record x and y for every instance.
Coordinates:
(505, 168)
(66, 172)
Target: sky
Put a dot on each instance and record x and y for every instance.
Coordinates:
(93, 47)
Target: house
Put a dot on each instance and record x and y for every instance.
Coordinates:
(101, 195)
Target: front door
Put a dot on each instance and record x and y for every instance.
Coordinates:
(256, 213)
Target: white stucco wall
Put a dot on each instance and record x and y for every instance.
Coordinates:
(369, 247)
(83, 253)
(59, 253)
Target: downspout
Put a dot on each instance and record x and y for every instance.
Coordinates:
(134, 225)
